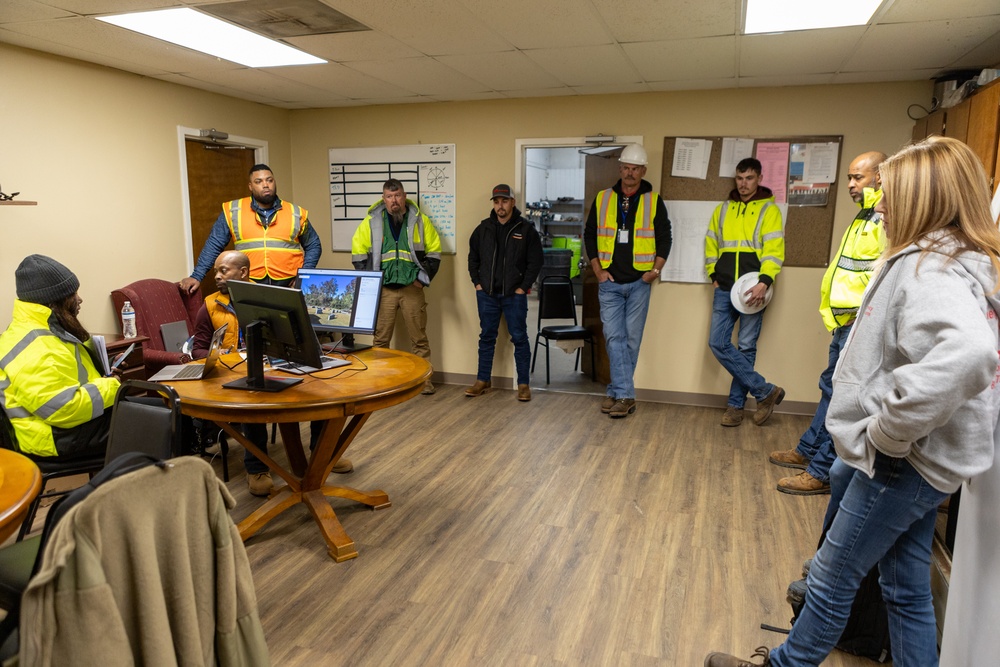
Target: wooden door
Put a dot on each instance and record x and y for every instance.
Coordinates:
(984, 126)
(601, 172)
(216, 174)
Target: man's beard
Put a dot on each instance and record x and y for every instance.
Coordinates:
(398, 218)
(267, 201)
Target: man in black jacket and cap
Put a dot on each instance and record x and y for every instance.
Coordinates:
(505, 257)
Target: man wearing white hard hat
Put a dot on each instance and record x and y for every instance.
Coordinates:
(627, 238)
(744, 251)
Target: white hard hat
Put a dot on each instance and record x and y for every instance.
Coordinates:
(634, 154)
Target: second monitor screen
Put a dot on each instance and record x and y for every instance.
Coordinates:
(342, 300)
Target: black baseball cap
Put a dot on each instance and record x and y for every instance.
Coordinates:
(502, 190)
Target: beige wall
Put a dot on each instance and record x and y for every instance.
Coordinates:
(675, 356)
(97, 148)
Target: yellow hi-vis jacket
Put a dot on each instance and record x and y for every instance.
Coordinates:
(275, 250)
(644, 240)
(743, 237)
(366, 244)
(47, 378)
(848, 275)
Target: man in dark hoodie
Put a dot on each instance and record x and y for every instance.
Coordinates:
(627, 237)
(505, 256)
(744, 236)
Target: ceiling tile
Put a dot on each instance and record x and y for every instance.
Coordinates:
(509, 70)
(883, 76)
(585, 65)
(778, 80)
(801, 52)
(685, 59)
(351, 46)
(653, 20)
(28, 10)
(612, 89)
(422, 75)
(259, 82)
(891, 47)
(903, 11)
(552, 23)
(986, 54)
(344, 81)
(433, 27)
(99, 7)
(694, 84)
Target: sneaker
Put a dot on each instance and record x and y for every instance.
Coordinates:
(623, 407)
(343, 466)
(477, 389)
(733, 416)
(428, 388)
(803, 484)
(766, 406)
(789, 458)
(607, 404)
(260, 483)
(723, 660)
(523, 393)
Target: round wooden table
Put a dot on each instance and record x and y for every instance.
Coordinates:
(342, 397)
(20, 483)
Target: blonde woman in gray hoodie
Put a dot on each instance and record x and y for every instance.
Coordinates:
(915, 404)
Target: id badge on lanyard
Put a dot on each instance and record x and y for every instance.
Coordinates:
(623, 236)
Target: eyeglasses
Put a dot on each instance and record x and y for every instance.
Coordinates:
(7, 197)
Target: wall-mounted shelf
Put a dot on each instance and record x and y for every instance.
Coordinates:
(19, 202)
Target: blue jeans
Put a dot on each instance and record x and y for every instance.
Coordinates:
(739, 362)
(514, 309)
(816, 444)
(888, 520)
(257, 434)
(623, 314)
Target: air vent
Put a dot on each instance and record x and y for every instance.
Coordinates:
(284, 18)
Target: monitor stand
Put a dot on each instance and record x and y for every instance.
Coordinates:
(255, 379)
(347, 344)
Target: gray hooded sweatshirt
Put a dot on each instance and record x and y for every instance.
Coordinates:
(919, 378)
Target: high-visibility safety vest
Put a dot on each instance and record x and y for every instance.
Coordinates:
(274, 251)
(220, 312)
(366, 244)
(644, 236)
(847, 277)
(47, 379)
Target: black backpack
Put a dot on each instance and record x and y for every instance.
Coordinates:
(121, 465)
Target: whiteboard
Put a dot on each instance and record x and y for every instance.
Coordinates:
(427, 172)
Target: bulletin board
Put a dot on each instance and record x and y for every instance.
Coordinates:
(427, 172)
(808, 229)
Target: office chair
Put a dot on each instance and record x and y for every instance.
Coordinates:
(148, 425)
(51, 467)
(556, 301)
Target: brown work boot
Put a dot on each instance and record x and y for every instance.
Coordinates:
(607, 404)
(523, 393)
(789, 458)
(766, 406)
(260, 483)
(623, 407)
(478, 389)
(803, 484)
(428, 388)
(723, 660)
(733, 416)
(343, 466)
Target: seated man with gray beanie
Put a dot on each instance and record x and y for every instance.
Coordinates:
(50, 388)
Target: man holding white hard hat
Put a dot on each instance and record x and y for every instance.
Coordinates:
(627, 237)
(744, 251)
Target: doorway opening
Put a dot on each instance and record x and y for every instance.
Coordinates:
(560, 179)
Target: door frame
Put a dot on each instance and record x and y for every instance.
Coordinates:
(521, 146)
(183, 134)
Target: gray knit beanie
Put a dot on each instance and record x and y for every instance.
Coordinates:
(41, 279)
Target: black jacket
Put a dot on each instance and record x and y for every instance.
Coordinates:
(522, 260)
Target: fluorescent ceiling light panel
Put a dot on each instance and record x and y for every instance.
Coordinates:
(194, 30)
(789, 15)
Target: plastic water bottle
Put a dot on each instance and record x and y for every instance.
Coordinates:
(128, 320)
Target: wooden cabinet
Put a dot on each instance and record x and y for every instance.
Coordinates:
(133, 366)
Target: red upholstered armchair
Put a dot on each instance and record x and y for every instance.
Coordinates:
(158, 302)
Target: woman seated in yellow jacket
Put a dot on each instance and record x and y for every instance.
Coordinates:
(50, 388)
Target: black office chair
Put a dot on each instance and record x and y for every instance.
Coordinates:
(51, 467)
(149, 425)
(556, 302)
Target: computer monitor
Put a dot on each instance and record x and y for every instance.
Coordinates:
(343, 301)
(275, 323)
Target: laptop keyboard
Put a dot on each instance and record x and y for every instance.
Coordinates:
(189, 372)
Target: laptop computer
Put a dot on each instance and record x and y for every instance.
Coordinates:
(174, 335)
(195, 371)
(299, 369)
